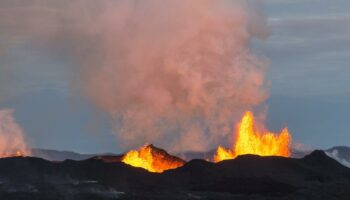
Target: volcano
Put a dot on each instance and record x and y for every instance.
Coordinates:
(247, 176)
(152, 159)
(147, 157)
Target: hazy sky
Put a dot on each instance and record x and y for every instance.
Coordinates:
(309, 74)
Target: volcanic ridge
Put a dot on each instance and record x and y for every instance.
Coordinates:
(314, 176)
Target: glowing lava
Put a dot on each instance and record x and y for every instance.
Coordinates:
(22, 153)
(12, 140)
(152, 159)
(251, 141)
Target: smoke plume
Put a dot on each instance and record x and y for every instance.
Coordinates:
(12, 140)
(335, 155)
(176, 73)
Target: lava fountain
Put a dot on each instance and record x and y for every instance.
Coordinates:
(152, 159)
(12, 140)
(249, 140)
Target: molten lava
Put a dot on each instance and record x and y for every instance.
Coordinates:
(251, 141)
(152, 159)
(18, 153)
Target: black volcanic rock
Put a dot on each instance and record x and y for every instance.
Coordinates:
(109, 158)
(322, 160)
(246, 177)
(163, 156)
(251, 174)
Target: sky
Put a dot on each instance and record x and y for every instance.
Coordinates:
(309, 77)
(309, 72)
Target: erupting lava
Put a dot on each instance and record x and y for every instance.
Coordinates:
(152, 159)
(251, 141)
(14, 154)
(12, 140)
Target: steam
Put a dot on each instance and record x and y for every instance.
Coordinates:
(12, 141)
(176, 73)
(335, 155)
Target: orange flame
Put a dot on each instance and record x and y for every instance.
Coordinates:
(251, 141)
(152, 159)
(19, 153)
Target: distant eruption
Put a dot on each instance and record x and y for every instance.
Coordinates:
(249, 140)
(12, 141)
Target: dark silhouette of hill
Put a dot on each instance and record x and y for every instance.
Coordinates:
(340, 153)
(315, 176)
(54, 155)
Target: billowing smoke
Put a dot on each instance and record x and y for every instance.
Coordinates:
(12, 141)
(176, 73)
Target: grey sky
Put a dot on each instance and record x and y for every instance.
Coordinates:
(309, 72)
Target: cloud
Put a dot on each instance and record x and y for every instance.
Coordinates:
(310, 51)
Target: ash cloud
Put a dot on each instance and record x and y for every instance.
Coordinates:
(173, 73)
